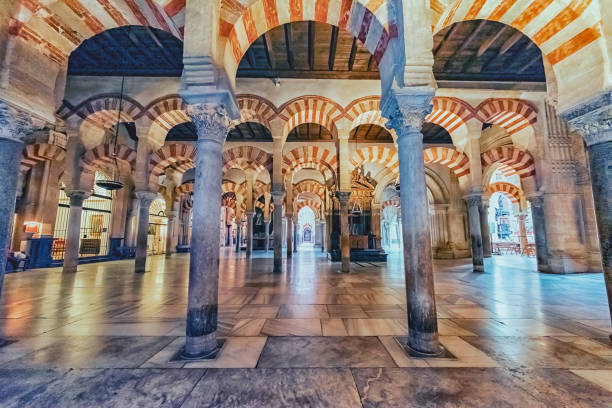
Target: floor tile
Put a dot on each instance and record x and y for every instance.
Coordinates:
(303, 312)
(603, 378)
(292, 327)
(237, 352)
(258, 312)
(247, 327)
(375, 327)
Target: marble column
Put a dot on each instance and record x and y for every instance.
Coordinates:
(290, 236)
(484, 228)
(145, 198)
(295, 233)
(277, 218)
(323, 235)
(474, 204)
(211, 122)
(73, 230)
(170, 232)
(249, 234)
(539, 231)
(345, 240)
(406, 110)
(238, 236)
(522, 231)
(14, 127)
(267, 234)
(593, 119)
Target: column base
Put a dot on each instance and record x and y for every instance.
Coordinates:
(70, 269)
(434, 349)
(182, 355)
(561, 264)
(478, 268)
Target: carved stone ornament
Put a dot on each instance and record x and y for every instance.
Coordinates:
(343, 197)
(211, 121)
(407, 108)
(473, 200)
(593, 119)
(536, 200)
(145, 197)
(14, 124)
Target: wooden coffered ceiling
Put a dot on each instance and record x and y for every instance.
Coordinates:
(249, 131)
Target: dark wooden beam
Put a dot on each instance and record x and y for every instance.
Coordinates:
(311, 44)
(370, 62)
(320, 132)
(365, 137)
(269, 53)
(251, 131)
(465, 44)
(301, 73)
(351, 60)
(509, 43)
(534, 59)
(289, 46)
(308, 131)
(447, 36)
(240, 131)
(332, 48)
(484, 47)
(250, 57)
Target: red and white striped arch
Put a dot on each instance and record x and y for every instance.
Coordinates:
(247, 157)
(451, 114)
(457, 162)
(314, 205)
(230, 187)
(510, 190)
(520, 161)
(362, 105)
(260, 188)
(513, 115)
(107, 153)
(183, 189)
(310, 109)
(40, 152)
(56, 28)
(241, 26)
(394, 202)
(165, 114)
(384, 156)
(180, 156)
(310, 187)
(254, 108)
(309, 157)
(102, 111)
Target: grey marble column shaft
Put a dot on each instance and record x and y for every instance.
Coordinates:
(249, 234)
(474, 203)
(539, 232)
(295, 235)
(145, 198)
(484, 228)
(277, 220)
(170, 231)
(211, 122)
(238, 237)
(406, 111)
(267, 227)
(345, 241)
(73, 230)
(323, 236)
(10, 157)
(289, 237)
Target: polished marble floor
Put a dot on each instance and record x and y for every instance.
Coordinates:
(309, 337)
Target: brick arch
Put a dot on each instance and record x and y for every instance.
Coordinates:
(510, 190)
(309, 186)
(106, 153)
(451, 114)
(519, 160)
(310, 109)
(178, 155)
(254, 108)
(247, 157)
(360, 106)
(370, 23)
(314, 205)
(457, 162)
(513, 115)
(384, 156)
(230, 187)
(183, 189)
(40, 152)
(310, 157)
(102, 110)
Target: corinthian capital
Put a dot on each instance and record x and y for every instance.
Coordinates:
(14, 124)
(593, 118)
(210, 119)
(406, 109)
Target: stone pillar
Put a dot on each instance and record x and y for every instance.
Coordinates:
(345, 240)
(249, 234)
(278, 197)
(484, 228)
(132, 224)
(73, 230)
(211, 122)
(14, 126)
(522, 230)
(594, 121)
(406, 110)
(289, 236)
(267, 234)
(145, 198)
(539, 231)
(238, 236)
(170, 232)
(323, 235)
(474, 203)
(295, 233)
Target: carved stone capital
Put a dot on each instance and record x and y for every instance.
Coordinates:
(593, 118)
(343, 197)
(473, 200)
(278, 197)
(406, 109)
(211, 121)
(536, 200)
(77, 197)
(145, 197)
(14, 124)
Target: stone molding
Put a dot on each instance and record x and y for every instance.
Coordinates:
(278, 197)
(211, 121)
(77, 197)
(593, 118)
(145, 197)
(14, 124)
(406, 109)
(473, 199)
(343, 197)
(536, 200)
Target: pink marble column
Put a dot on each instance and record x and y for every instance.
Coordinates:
(345, 241)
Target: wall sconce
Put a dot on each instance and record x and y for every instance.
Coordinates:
(32, 227)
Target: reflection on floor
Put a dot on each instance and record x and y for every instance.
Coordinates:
(310, 337)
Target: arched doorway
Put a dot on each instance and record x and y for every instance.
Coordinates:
(306, 228)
